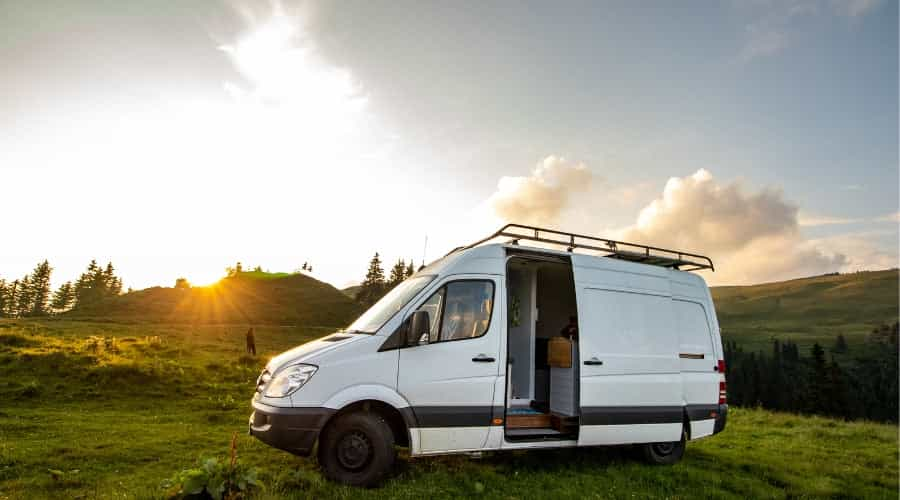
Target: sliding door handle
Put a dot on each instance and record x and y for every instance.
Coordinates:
(593, 361)
(483, 358)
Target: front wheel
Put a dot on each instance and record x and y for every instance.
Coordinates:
(665, 453)
(357, 449)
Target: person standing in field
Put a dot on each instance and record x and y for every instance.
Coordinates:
(251, 342)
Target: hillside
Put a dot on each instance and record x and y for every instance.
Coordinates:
(808, 310)
(252, 297)
(351, 291)
(101, 410)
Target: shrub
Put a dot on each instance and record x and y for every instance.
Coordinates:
(214, 479)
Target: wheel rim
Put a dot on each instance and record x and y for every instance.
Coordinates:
(663, 448)
(354, 450)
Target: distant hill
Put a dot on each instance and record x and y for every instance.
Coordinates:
(351, 291)
(808, 310)
(251, 297)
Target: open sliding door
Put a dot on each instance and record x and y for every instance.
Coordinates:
(630, 384)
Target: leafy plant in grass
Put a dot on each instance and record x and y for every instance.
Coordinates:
(215, 479)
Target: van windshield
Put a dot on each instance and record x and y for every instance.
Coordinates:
(384, 309)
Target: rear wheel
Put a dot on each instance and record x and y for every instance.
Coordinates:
(665, 453)
(357, 449)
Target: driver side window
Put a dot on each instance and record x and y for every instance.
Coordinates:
(460, 310)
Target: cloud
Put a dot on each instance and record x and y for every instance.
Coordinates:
(774, 27)
(752, 236)
(697, 209)
(809, 220)
(894, 217)
(862, 250)
(855, 8)
(541, 197)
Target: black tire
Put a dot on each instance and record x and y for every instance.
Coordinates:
(665, 453)
(357, 449)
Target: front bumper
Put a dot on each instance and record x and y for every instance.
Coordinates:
(721, 418)
(294, 430)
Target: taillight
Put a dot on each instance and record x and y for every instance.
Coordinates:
(721, 367)
(722, 394)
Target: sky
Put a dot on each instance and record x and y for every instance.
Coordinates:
(177, 138)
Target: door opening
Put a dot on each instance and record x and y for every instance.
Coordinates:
(542, 350)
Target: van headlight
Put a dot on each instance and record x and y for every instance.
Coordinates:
(288, 380)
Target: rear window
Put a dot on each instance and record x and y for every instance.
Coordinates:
(693, 329)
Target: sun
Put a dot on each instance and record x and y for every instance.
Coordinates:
(205, 277)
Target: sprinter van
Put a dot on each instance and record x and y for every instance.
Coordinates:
(568, 341)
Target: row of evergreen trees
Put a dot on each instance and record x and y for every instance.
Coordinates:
(866, 387)
(375, 286)
(30, 296)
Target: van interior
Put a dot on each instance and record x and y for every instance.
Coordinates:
(542, 354)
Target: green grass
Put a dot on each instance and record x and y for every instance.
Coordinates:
(117, 417)
(808, 310)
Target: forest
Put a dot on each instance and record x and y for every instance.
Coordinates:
(865, 386)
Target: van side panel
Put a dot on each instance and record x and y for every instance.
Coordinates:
(625, 323)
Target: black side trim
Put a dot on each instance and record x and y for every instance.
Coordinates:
(455, 416)
(628, 415)
(701, 412)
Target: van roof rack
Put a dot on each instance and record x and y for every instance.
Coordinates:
(613, 249)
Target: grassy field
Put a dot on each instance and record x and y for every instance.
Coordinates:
(808, 310)
(104, 410)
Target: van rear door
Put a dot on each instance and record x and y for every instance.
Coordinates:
(630, 383)
(698, 364)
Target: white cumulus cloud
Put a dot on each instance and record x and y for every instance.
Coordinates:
(752, 236)
(541, 197)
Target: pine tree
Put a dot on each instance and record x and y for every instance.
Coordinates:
(373, 287)
(817, 394)
(838, 394)
(63, 298)
(96, 284)
(85, 291)
(24, 298)
(398, 274)
(40, 289)
(12, 299)
(410, 269)
(112, 286)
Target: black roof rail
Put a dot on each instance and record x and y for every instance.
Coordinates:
(633, 252)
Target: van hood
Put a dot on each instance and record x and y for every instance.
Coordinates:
(309, 351)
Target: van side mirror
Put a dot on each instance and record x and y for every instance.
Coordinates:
(419, 328)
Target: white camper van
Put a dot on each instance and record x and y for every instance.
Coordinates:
(506, 346)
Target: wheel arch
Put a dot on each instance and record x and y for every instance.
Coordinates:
(384, 401)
